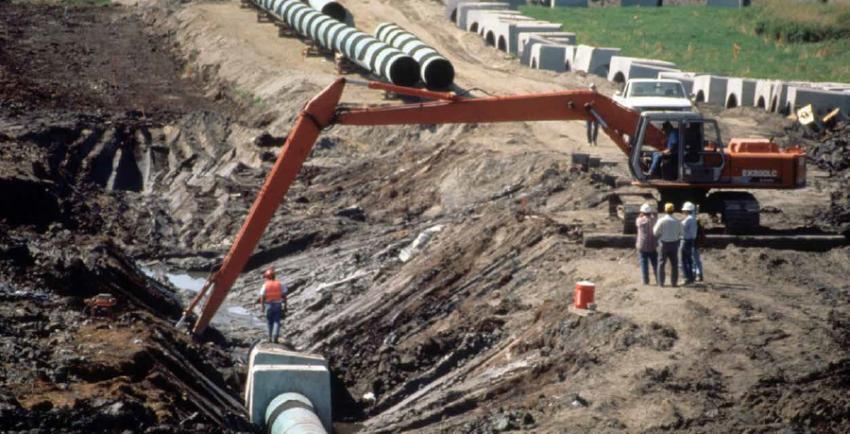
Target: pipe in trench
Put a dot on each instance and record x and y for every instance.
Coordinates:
(436, 71)
(292, 413)
(381, 59)
(329, 8)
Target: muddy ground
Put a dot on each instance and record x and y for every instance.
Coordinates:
(137, 135)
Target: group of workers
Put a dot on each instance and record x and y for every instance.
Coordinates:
(667, 239)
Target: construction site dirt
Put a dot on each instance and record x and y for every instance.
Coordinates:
(433, 266)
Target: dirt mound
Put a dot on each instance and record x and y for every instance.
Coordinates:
(832, 152)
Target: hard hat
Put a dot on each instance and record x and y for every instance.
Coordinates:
(669, 208)
(688, 207)
(646, 208)
(269, 273)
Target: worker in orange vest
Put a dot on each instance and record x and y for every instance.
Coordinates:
(273, 300)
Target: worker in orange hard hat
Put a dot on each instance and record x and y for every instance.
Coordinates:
(273, 301)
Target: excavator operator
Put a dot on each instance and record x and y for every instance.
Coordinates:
(672, 148)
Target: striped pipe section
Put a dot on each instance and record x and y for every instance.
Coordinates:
(329, 8)
(368, 52)
(436, 71)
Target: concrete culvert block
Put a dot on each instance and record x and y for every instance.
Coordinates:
(594, 60)
(686, 78)
(550, 57)
(565, 3)
(463, 9)
(480, 20)
(710, 89)
(623, 68)
(563, 38)
(779, 94)
(822, 101)
(273, 371)
(728, 3)
(740, 92)
(644, 3)
(511, 31)
(762, 94)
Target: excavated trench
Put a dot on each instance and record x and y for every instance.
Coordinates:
(431, 273)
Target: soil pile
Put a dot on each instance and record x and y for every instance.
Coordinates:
(831, 153)
(85, 93)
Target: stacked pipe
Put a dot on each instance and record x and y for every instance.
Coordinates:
(329, 8)
(436, 71)
(368, 52)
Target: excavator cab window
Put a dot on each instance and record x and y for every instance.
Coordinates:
(703, 158)
(648, 161)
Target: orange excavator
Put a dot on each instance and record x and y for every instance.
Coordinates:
(698, 162)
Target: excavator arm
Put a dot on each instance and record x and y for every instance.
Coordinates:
(324, 110)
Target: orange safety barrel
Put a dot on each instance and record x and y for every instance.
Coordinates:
(584, 294)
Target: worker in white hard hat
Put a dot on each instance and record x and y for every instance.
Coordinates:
(668, 230)
(592, 125)
(689, 236)
(646, 243)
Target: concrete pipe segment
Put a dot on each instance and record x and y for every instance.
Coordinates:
(292, 413)
(329, 8)
(368, 52)
(436, 71)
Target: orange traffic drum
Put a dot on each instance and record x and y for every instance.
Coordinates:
(584, 294)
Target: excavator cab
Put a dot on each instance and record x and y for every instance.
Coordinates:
(694, 156)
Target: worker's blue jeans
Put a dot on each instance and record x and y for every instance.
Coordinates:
(669, 252)
(273, 314)
(687, 252)
(697, 263)
(656, 159)
(647, 258)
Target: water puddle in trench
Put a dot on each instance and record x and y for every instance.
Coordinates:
(230, 318)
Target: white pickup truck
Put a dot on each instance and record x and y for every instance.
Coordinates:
(649, 94)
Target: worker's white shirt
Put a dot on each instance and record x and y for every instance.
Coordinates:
(668, 229)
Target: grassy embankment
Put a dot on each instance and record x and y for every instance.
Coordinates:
(773, 39)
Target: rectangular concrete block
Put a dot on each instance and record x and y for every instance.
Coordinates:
(710, 89)
(763, 92)
(686, 78)
(504, 32)
(476, 19)
(644, 3)
(269, 381)
(740, 92)
(567, 3)
(822, 101)
(779, 94)
(550, 57)
(461, 13)
(271, 354)
(622, 68)
(594, 60)
(728, 3)
(565, 38)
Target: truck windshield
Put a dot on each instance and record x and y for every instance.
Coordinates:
(657, 89)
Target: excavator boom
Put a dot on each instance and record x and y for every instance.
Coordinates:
(323, 110)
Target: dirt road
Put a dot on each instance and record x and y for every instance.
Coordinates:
(469, 330)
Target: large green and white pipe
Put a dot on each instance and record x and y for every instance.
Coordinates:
(329, 8)
(381, 59)
(436, 71)
(292, 413)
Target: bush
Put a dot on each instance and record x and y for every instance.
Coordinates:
(796, 22)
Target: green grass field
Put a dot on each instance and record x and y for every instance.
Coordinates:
(719, 40)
